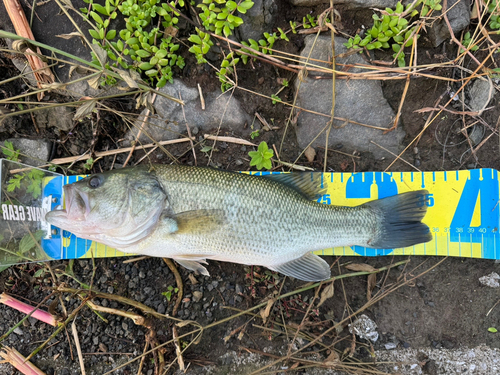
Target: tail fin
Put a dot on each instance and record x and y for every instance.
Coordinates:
(401, 217)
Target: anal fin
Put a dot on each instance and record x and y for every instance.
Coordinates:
(309, 267)
(193, 265)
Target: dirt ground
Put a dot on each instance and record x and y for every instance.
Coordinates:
(445, 307)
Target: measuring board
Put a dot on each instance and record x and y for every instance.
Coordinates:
(463, 213)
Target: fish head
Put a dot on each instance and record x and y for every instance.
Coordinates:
(116, 208)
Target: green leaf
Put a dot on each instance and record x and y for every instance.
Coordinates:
(145, 66)
(194, 39)
(247, 4)
(492, 330)
(227, 31)
(100, 9)
(94, 34)
(142, 53)
(111, 34)
(97, 18)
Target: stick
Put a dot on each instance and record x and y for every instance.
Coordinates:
(229, 139)
(41, 71)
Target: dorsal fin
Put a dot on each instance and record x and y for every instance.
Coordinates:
(309, 184)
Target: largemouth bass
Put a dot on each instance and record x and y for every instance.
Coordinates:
(192, 214)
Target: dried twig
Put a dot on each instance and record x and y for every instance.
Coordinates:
(180, 285)
(40, 69)
(78, 347)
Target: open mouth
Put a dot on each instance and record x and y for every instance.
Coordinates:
(77, 204)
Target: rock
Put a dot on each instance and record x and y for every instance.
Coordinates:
(257, 20)
(353, 4)
(357, 100)
(169, 121)
(459, 17)
(58, 117)
(197, 296)
(481, 93)
(37, 149)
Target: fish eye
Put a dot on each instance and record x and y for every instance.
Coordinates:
(94, 182)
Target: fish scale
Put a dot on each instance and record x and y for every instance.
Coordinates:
(192, 214)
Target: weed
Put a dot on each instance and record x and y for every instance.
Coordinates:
(152, 52)
(467, 41)
(262, 157)
(9, 151)
(254, 134)
(393, 30)
(168, 293)
(88, 164)
(494, 10)
(219, 15)
(31, 181)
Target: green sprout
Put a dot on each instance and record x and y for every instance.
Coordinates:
(262, 157)
(467, 42)
(168, 293)
(255, 134)
(88, 164)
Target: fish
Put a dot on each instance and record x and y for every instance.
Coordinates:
(195, 214)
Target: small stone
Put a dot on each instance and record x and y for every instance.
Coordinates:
(310, 154)
(18, 331)
(197, 296)
(391, 345)
(125, 326)
(195, 130)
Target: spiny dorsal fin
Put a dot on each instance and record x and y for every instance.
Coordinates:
(306, 183)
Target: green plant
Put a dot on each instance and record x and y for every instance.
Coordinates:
(494, 10)
(89, 163)
(275, 98)
(393, 30)
(219, 15)
(254, 134)
(138, 47)
(31, 180)
(10, 152)
(226, 70)
(262, 157)
(168, 293)
(467, 41)
(201, 45)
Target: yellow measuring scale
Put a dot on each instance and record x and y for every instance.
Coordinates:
(463, 211)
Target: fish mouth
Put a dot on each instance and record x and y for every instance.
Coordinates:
(77, 207)
(77, 203)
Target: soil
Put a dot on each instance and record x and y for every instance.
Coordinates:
(445, 307)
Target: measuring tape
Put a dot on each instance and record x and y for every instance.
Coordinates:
(463, 212)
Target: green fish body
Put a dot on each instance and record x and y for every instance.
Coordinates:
(192, 214)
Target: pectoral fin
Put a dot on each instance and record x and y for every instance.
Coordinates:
(193, 265)
(196, 221)
(310, 267)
